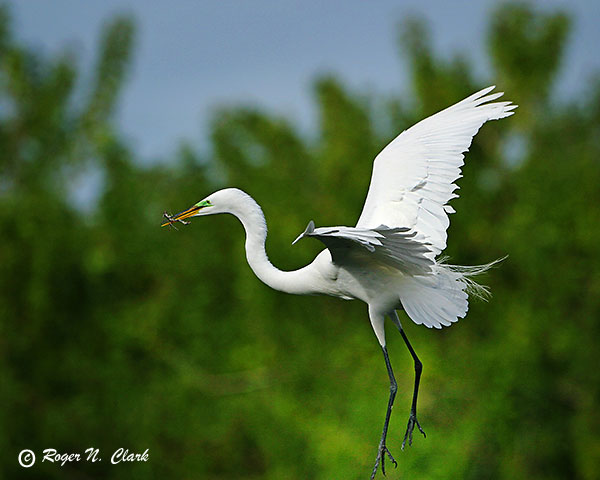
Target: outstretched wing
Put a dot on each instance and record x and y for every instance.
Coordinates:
(398, 248)
(413, 177)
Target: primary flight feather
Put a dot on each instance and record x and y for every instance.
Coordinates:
(389, 259)
(413, 177)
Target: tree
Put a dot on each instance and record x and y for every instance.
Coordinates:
(116, 333)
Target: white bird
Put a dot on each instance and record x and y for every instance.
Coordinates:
(389, 259)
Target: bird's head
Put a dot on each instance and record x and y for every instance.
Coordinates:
(222, 201)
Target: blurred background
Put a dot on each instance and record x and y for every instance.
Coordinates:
(116, 333)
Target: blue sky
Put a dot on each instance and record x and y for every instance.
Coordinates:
(193, 55)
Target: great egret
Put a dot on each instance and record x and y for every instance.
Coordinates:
(388, 260)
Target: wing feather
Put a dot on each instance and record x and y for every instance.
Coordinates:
(413, 177)
(400, 248)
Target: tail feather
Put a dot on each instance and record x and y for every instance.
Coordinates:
(439, 299)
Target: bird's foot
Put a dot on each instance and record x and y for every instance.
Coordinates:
(382, 452)
(412, 421)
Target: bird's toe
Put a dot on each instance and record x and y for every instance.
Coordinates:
(412, 421)
(381, 453)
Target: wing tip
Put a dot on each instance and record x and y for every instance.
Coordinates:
(481, 93)
(310, 228)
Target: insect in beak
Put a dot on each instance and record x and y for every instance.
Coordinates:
(171, 219)
(190, 212)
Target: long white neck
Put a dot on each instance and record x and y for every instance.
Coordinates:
(300, 282)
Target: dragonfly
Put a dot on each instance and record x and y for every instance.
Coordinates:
(171, 220)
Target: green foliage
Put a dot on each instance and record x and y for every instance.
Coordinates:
(520, 36)
(116, 333)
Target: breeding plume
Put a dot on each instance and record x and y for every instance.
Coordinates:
(389, 259)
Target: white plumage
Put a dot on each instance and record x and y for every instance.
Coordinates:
(413, 177)
(389, 259)
(400, 248)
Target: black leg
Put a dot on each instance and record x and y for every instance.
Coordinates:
(412, 419)
(382, 450)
